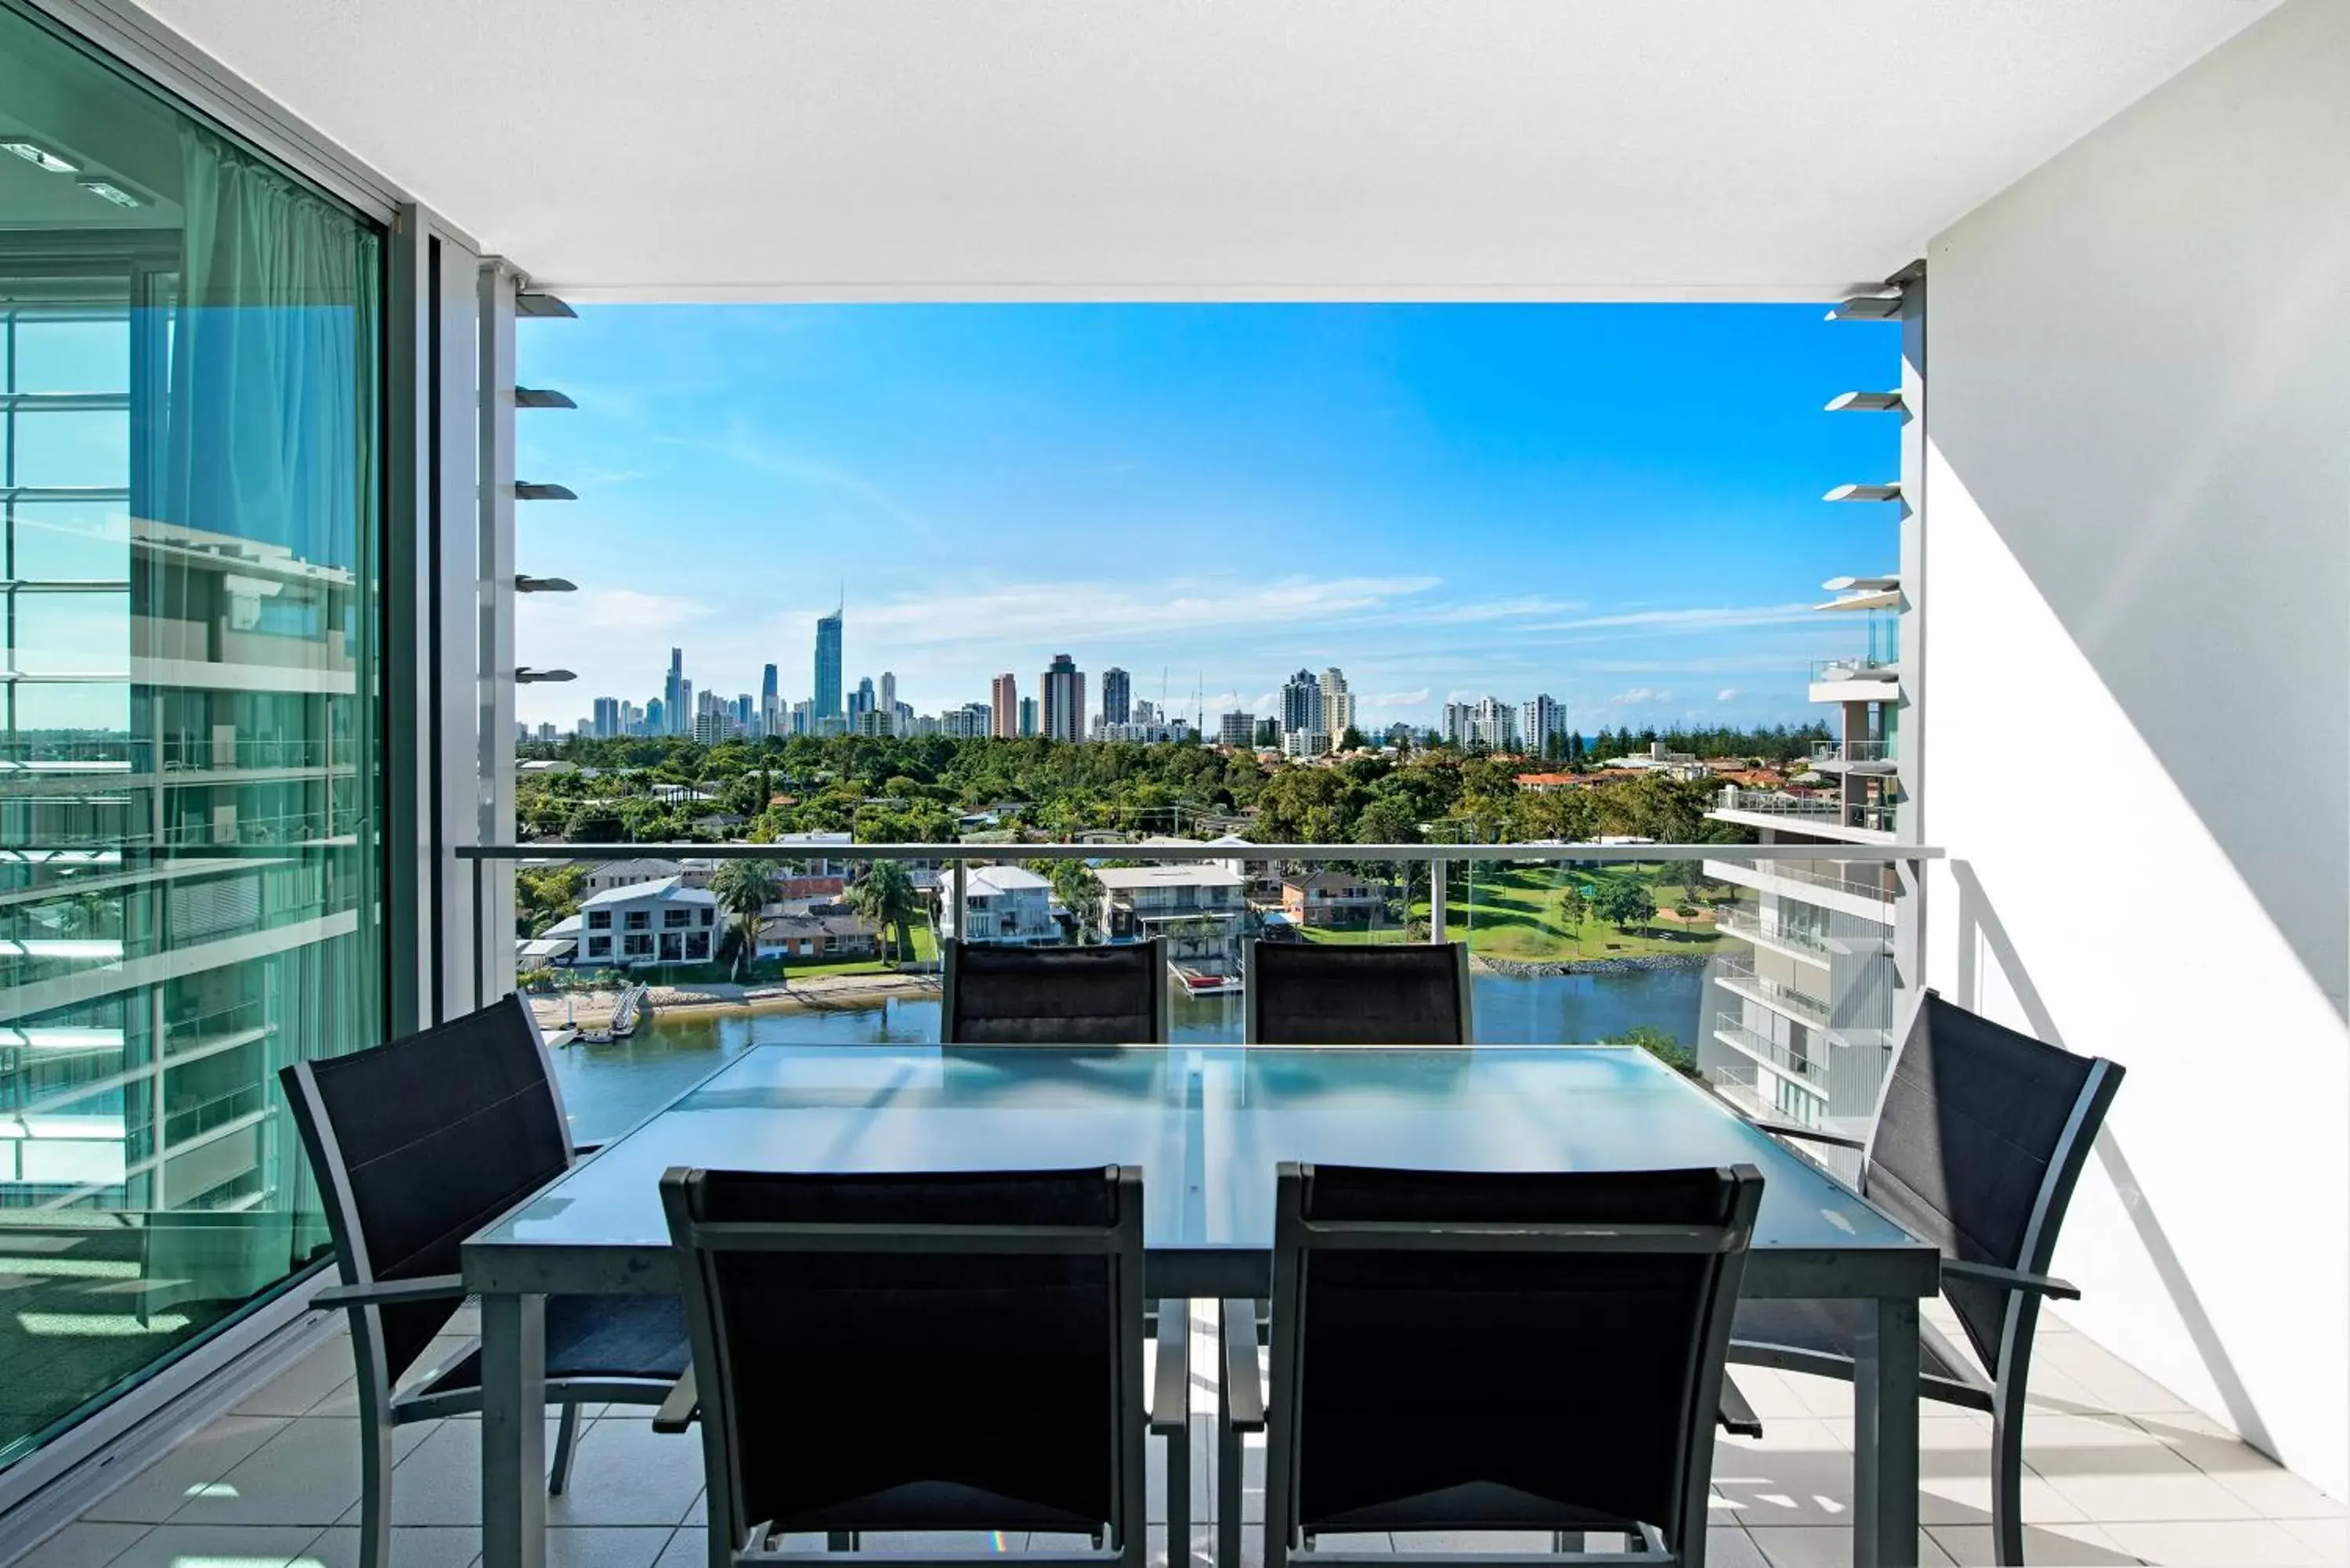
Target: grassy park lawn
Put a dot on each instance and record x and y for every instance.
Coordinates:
(1513, 912)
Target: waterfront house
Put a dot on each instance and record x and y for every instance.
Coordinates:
(660, 922)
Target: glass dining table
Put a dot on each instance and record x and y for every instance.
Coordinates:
(1207, 1125)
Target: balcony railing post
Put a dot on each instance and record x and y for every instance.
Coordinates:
(480, 929)
(1436, 870)
(959, 891)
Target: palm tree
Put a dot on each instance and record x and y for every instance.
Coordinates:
(885, 895)
(1080, 893)
(744, 889)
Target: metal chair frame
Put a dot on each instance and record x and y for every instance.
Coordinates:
(1168, 1415)
(2002, 1393)
(1248, 1410)
(363, 1296)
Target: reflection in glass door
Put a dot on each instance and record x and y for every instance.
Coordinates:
(188, 734)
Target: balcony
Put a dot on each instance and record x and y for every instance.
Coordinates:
(1798, 942)
(2121, 1470)
(1802, 1067)
(2136, 477)
(1740, 977)
(1853, 756)
(1864, 889)
(1860, 667)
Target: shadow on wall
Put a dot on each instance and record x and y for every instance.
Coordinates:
(2162, 448)
(1980, 928)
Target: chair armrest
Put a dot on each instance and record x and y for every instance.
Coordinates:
(391, 1292)
(1170, 1388)
(1243, 1388)
(2013, 1279)
(683, 1404)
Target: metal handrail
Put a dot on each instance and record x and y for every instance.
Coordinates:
(960, 857)
(1816, 1008)
(1770, 1050)
(979, 854)
(1753, 928)
(1778, 803)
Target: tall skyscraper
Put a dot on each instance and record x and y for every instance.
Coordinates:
(608, 718)
(680, 722)
(746, 714)
(1338, 704)
(1237, 729)
(828, 665)
(1117, 692)
(673, 690)
(861, 700)
(887, 701)
(1493, 724)
(656, 717)
(710, 719)
(1004, 707)
(1027, 715)
(1301, 705)
(1064, 685)
(770, 703)
(1542, 726)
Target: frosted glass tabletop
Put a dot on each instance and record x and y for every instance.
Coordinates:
(1207, 1125)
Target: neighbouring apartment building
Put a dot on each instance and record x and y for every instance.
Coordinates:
(1805, 1028)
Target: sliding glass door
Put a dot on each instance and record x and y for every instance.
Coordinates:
(190, 752)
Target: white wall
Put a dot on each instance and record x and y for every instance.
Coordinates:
(2136, 708)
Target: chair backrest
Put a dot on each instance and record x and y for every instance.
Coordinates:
(1980, 1135)
(1001, 995)
(917, 1351)
(1316, 994)
(418, 1144)
(1476, 1351)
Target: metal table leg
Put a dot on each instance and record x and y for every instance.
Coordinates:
(514, 1431)
(1885, 1436)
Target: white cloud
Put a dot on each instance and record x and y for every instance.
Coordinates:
(1640, 696)
(1727, 694)
(1401, 699)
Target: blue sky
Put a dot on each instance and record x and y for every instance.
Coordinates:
(1617, 505)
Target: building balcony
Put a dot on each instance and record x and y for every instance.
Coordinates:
(1853, 756)
(1796, 1066)
(1739, 978)
(1867, 890)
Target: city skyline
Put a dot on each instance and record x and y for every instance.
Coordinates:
(1446, 501)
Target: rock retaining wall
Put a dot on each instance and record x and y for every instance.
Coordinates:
(1589, 966)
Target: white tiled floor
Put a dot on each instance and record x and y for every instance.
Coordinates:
(2120, 1471)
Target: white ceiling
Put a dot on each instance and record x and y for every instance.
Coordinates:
(1084, 149)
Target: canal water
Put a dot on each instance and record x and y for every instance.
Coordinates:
(608, 1087)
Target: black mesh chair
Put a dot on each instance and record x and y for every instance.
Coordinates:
(1313, 994)
(1475, 1352)
(1980, 1135)
(416, 1146)
(1110, 995)
(925, 1352)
